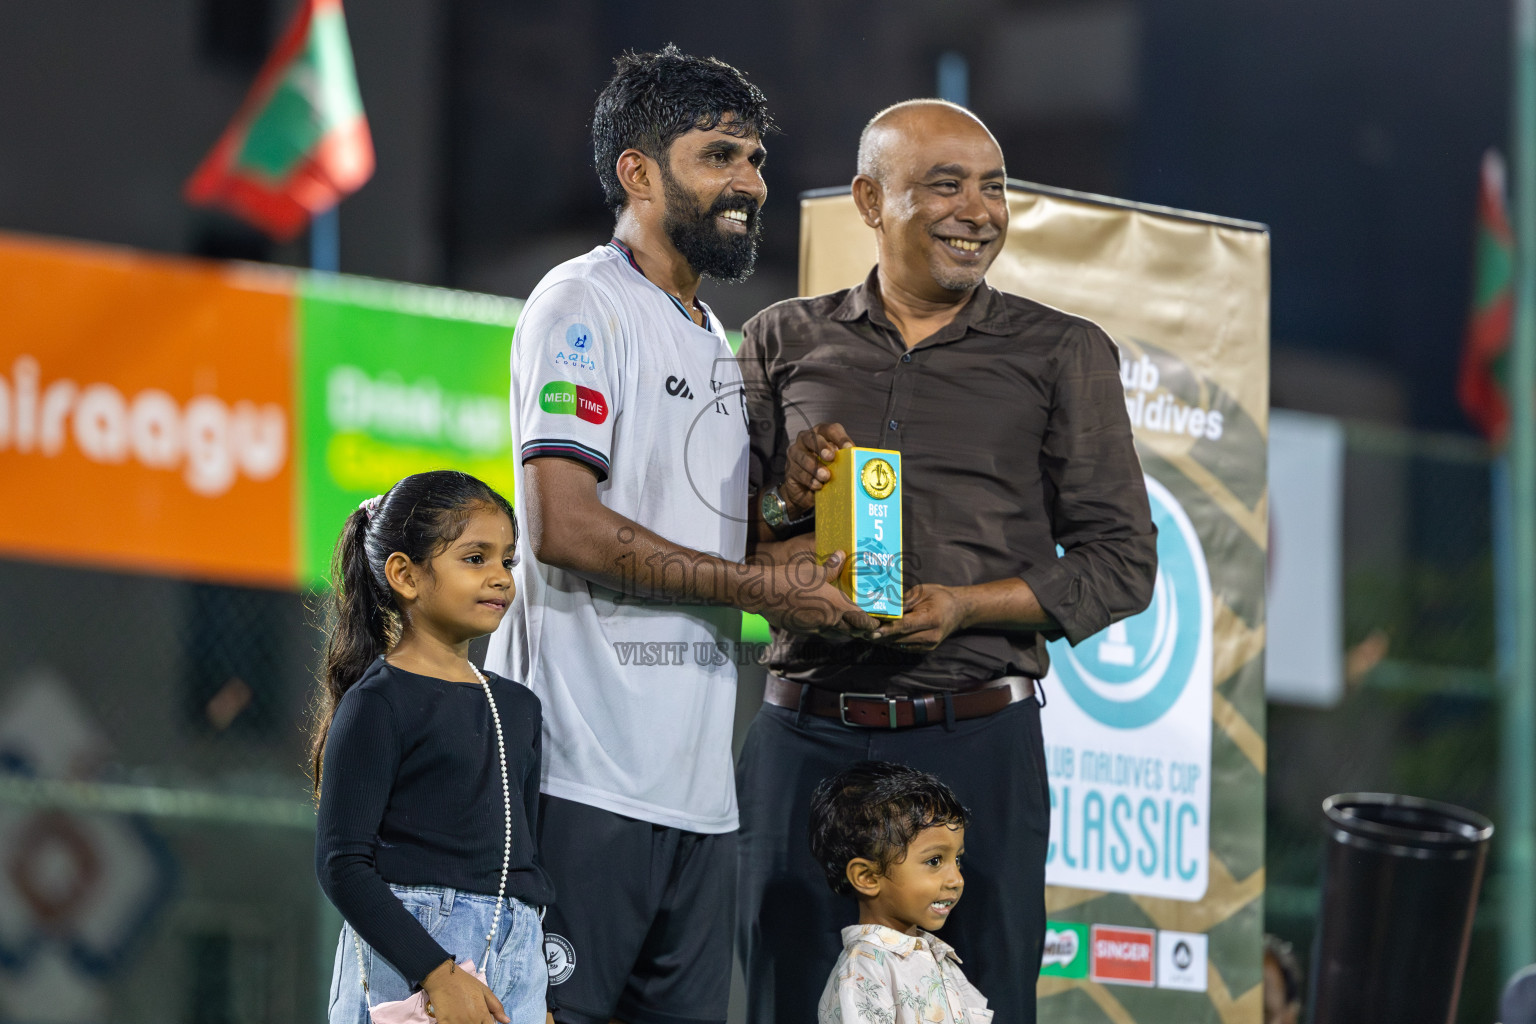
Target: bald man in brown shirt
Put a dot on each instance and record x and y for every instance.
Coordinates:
(1011, 422)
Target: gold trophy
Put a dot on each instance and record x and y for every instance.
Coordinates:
(858, 511)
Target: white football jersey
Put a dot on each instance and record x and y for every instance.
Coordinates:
(610, 370)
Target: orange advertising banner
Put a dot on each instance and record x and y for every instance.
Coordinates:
(146, 413)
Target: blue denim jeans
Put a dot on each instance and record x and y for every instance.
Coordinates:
(458, 921)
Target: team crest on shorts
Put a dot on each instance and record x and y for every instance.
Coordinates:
(559, 957)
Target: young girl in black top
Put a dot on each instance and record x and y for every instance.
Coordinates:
(427, 771)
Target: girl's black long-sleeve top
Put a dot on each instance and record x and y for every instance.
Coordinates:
(410, 794)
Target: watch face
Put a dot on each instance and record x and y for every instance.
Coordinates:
(773, 509)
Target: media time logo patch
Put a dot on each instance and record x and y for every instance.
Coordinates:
(564, 398)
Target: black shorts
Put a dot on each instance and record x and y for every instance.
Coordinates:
(642, 924)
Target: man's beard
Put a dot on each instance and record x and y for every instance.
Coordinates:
(708, 250)
(959, 279)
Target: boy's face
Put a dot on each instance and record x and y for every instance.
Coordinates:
(919, 891)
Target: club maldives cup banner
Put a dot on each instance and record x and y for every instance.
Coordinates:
(220, 421)
(1154, 727)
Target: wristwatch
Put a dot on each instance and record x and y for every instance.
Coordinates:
(776, 512)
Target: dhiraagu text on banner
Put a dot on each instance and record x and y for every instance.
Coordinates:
(395, 380)
(145, 412)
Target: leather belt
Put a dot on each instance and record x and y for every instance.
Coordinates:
(877, 711)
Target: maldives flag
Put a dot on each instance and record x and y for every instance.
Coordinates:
(1483, 384)
(299, 143)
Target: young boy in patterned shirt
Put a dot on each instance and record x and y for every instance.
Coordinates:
(891, 837)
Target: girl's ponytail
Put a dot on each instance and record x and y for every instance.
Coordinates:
(418, 517)
(359, 630)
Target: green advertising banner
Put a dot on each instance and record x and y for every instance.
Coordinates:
(394, 380)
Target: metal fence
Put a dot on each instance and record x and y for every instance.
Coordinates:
(156, 832)
(156, 836)
(1420, 713)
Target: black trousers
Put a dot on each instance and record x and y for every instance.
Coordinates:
(788, 920)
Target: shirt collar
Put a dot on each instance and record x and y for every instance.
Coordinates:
(899, 943)
(629, 256)
(987, 311)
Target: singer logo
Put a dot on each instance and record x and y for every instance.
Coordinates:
(1122, 956)
(209, 441)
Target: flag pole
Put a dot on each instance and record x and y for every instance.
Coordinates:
(1519, 721)
(325, 240)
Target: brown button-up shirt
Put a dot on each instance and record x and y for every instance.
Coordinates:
(1014, 439)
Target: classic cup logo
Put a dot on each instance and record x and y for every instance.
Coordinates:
(1129, 757)
(563, 397)
(878, 478)
(1129, 675)
(559, 957)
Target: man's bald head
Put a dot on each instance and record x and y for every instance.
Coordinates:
(931, 183)
(905, 120)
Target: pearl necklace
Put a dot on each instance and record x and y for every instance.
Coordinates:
(506, 855)
(506, 798)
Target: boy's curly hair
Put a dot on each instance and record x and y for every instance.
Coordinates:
(874, 809)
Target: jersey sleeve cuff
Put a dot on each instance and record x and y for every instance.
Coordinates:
(559, 448)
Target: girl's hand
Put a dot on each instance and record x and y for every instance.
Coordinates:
(458, 997)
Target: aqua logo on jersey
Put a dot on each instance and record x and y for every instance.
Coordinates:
(578, 351)
(1129, 675)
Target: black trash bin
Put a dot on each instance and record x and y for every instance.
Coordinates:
(1399, 893)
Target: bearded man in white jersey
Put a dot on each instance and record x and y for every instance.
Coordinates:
(630, 424)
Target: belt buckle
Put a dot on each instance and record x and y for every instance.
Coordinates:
(842, 708)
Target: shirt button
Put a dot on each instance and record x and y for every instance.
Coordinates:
(907, 358)
(893, 424)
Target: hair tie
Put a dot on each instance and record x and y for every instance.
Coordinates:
(370, 506)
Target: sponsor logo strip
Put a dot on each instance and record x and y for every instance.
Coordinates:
(564, 398)
(1066, 950)
(1181, 960)
(1121, 956)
